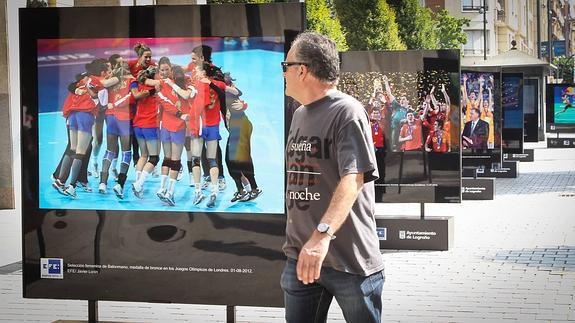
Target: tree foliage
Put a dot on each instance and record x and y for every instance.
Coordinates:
(450, 30)
(320, 19)
(417, 28)
(564, 68)
(369, 24)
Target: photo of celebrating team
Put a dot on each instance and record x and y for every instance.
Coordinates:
(415, 131)
(408, 111)
(143, 131)
(478, 112)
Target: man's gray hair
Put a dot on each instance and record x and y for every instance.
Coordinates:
(320, 54)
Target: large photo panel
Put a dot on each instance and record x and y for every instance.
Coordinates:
(481, 124)
(411, 98)
(119, 122)
(513, 120)
(185, 88)
(560, 108)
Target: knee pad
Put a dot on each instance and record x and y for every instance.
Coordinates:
(196, 161)
(78, 156)
(154, 160)
(176, 165)
(109, 155)
(167, 162)
(126, 157)
(70, 152)
(212, 162)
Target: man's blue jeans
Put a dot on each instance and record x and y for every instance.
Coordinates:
(358, 296)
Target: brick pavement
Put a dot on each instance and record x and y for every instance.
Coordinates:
(513, 260)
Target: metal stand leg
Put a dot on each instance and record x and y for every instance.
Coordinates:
(92, 311)
(230, 314)
(400, 173)
(422, 213)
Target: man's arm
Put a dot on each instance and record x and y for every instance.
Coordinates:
(314, 251)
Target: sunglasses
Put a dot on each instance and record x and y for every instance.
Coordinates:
(285, 65)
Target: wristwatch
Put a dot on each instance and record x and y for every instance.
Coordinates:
(325, 228)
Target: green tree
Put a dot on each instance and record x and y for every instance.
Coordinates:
(564, 68)
(417, 28)
(368, 24)
(450, 30)
(320, 19)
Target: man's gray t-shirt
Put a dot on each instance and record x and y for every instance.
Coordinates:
(327, 140)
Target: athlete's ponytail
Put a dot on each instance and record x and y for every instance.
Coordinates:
(141, 48)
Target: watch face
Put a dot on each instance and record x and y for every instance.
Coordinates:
(322, 227)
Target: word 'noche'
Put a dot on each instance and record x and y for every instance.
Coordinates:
(304, 195)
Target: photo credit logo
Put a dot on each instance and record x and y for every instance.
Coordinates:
(382, 233)
(51, 268)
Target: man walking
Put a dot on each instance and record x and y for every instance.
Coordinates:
(331, 241)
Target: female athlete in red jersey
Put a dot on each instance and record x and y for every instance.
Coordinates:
(211, 124)
(118, 127)
(146, 128)
(200, 55)
(80, 115)
(200, 102)
(98, 128)
(143, 61)
(172, 98)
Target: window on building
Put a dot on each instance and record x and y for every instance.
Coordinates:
(474, 44)
(472, 5)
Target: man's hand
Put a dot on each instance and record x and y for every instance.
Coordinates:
(311, 257)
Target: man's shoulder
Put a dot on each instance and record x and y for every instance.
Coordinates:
(346, 103)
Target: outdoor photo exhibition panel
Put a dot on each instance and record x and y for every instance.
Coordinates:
(88, 94)
(560, 112)
(481, 118)
(531, 109)
(412, 99)
(512, 102)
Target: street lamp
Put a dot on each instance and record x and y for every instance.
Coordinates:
(483, 10)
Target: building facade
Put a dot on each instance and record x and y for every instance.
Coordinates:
(508, 20)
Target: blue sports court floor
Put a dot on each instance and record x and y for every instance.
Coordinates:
(258, 75)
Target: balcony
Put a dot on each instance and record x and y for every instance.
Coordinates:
(472, 5)
(500, 8)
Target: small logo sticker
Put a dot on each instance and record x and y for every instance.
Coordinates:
(401, 234)
(51, 268)
(382, 233)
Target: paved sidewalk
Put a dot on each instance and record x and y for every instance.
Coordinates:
(513, 260)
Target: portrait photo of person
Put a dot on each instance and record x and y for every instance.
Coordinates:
(475, 132)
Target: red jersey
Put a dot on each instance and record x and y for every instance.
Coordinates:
(199, 104)
(415, 131)
(212, 112)
(430, 118)
(191, 68)
(170, 103)
(67, 104)
(85, 102)
(377, 134)
(146, 109)
(437, 140)
(135, 66)
(187, 104)
(121, 96)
